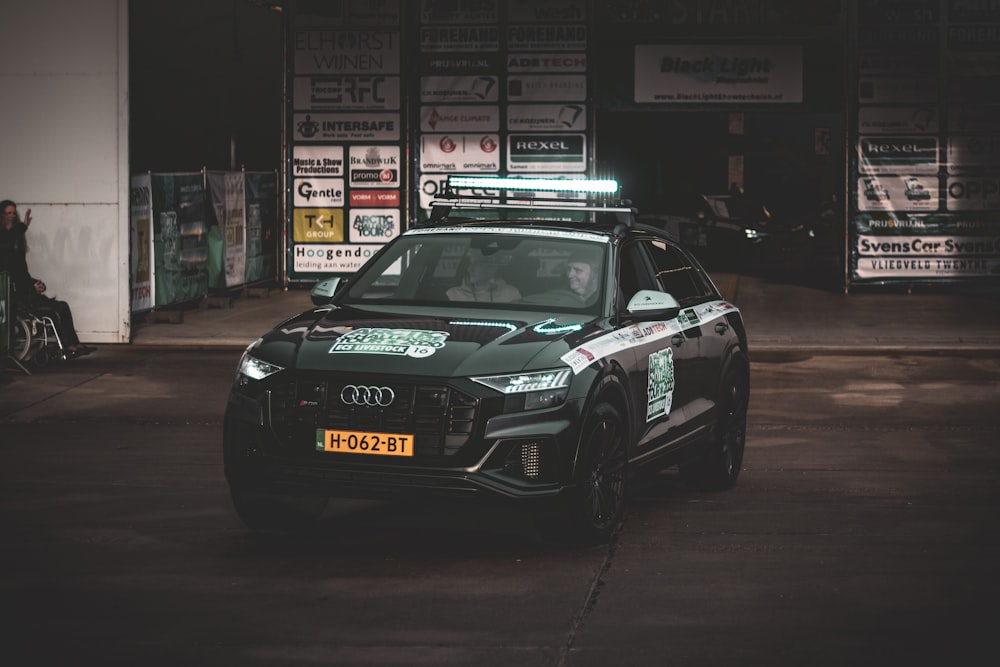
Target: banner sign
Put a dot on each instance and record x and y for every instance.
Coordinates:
(460, 118)
(318, 161)
(346, 127)
(346, 92)
(347, 52)
(226, 228)
(478, 153)
(141, 243)
(721, 73)
(180, 239)
(546, 152)
(546, 117)
(262, 225)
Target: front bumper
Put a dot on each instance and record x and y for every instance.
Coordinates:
(507, 457)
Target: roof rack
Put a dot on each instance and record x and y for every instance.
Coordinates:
(520, 194)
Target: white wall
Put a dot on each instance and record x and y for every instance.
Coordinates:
(64, 152)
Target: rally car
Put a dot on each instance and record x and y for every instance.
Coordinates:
(511, 348)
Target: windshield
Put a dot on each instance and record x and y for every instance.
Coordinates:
(564, 273)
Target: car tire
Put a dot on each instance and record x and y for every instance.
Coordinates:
(277, 514)
(719, 465)
(594, 509)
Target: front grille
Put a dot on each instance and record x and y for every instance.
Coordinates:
(441, 418)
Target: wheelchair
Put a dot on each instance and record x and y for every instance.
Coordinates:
(35, 340)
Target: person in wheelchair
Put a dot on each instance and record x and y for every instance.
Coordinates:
(29, 292)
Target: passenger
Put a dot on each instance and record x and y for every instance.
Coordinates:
(583, 272)
(583, 281)
(481, 283)
(29, 292)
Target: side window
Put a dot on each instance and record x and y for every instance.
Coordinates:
(634, 273)
(675, 274)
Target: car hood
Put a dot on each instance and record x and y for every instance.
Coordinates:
(345, 339)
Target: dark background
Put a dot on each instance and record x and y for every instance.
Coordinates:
(206, 85)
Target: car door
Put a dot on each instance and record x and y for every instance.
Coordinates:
(664, 382)
(678, 275)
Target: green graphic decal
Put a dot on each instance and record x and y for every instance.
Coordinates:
(410, 342)
(660, 390)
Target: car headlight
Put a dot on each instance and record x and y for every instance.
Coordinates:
(530, 391)
(252, 368)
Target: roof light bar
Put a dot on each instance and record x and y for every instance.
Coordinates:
(605, 186)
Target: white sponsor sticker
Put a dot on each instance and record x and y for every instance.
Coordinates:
(322, 192)
(643, 333)
(414, 343)
(472, 153)
(660, 384)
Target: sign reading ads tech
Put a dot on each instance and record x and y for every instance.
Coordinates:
(718, 74)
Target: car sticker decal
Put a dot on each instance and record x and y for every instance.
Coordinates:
(660, 386)
(643, 333)
(414, 343)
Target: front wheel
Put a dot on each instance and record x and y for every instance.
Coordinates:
(595, 508)
(718, 467)
(269, 513)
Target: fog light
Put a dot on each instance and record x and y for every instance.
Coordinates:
(531, 460)
(525, 460)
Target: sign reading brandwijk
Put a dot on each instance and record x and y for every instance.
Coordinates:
(713, 74)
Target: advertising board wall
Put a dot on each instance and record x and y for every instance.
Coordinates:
(924, 197)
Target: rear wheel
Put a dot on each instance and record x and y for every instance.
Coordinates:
(21, 339)
(596, 507)
(719, 465)
(282, 514)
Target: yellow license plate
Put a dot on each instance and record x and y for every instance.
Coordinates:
(364, 442)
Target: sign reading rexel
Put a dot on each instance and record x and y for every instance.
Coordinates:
(460, 153)
(898, 155)
(374, 167)
(546, 152)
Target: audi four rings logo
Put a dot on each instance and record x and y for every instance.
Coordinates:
(354, 394)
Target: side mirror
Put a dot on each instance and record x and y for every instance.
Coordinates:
(649, 303)
(323, 291)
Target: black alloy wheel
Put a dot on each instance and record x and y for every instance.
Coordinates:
(600, 502)
(719, 466)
